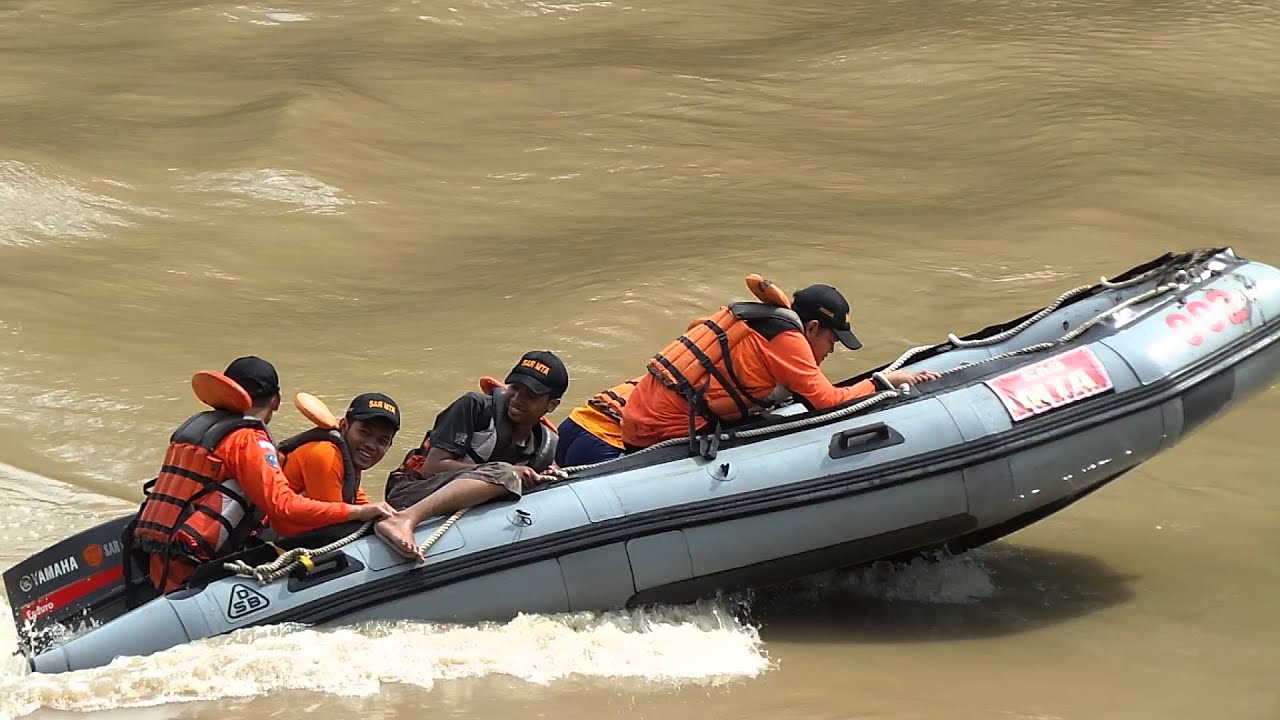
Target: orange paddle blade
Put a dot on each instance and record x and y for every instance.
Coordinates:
(314, 409)
(766, 292)
(219, 391)
(488, 383)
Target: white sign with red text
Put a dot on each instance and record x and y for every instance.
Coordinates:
(1051, 383)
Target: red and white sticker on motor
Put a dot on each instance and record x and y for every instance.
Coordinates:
(1051, 383)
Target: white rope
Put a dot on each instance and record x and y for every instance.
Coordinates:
(1084, 327)
(288, 561)
(302, 557)
(1049, 309)
(440, 531)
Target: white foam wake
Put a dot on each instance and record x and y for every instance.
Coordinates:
(37, 205)
(288, 187)
(702, 643)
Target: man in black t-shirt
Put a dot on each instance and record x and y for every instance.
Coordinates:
(481, 448)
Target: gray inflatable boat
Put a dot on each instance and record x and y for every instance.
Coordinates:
(1029, 416)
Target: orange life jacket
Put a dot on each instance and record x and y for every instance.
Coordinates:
(602, 414)
(193, 509)
(326, 430)
(701, 360)
(611, 402)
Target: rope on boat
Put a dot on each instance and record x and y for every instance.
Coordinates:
(306, 557)
(291, 559)
(440, 531)
(1084, 327)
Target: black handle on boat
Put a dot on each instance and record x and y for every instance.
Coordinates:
(863, 439)
(340, 565)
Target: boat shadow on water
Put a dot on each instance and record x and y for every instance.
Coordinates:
(1001, 589)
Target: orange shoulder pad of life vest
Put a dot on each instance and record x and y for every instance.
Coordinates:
(314, 409)
(767, 292)
(220, 392)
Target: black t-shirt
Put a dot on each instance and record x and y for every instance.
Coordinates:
(466, 429)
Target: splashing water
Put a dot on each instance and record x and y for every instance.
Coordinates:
(701, 643)
(287, 187)
(705, 643)
(36, 205)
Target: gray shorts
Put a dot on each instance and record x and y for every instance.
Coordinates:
(410, 490)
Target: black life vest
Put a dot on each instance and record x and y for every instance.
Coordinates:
(504, 450)
(350, 478)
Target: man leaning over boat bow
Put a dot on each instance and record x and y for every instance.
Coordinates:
(728, 367)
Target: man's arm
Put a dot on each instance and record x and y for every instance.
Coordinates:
(451, 435)
(440, 460)
(252, 460)
(789, 359)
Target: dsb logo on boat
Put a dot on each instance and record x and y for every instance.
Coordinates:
(245, 601)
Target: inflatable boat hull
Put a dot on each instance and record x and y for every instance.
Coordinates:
(989, 450)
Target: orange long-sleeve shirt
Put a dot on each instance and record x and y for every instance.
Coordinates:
(252, 459)
(315, 470)
(655, 413)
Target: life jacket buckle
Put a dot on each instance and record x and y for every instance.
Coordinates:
(709, 445)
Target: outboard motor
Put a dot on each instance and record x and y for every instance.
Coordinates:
(70, 587)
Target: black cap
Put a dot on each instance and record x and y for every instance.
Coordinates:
(542, 372)
(257, 376)
(374, 405)
(826, 305)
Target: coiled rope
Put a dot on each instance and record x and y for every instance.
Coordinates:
(307, 557)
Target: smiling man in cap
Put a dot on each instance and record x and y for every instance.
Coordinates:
(326, 466)
(719, 372)
(481, 448)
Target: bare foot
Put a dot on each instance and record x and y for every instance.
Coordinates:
(398, 533)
